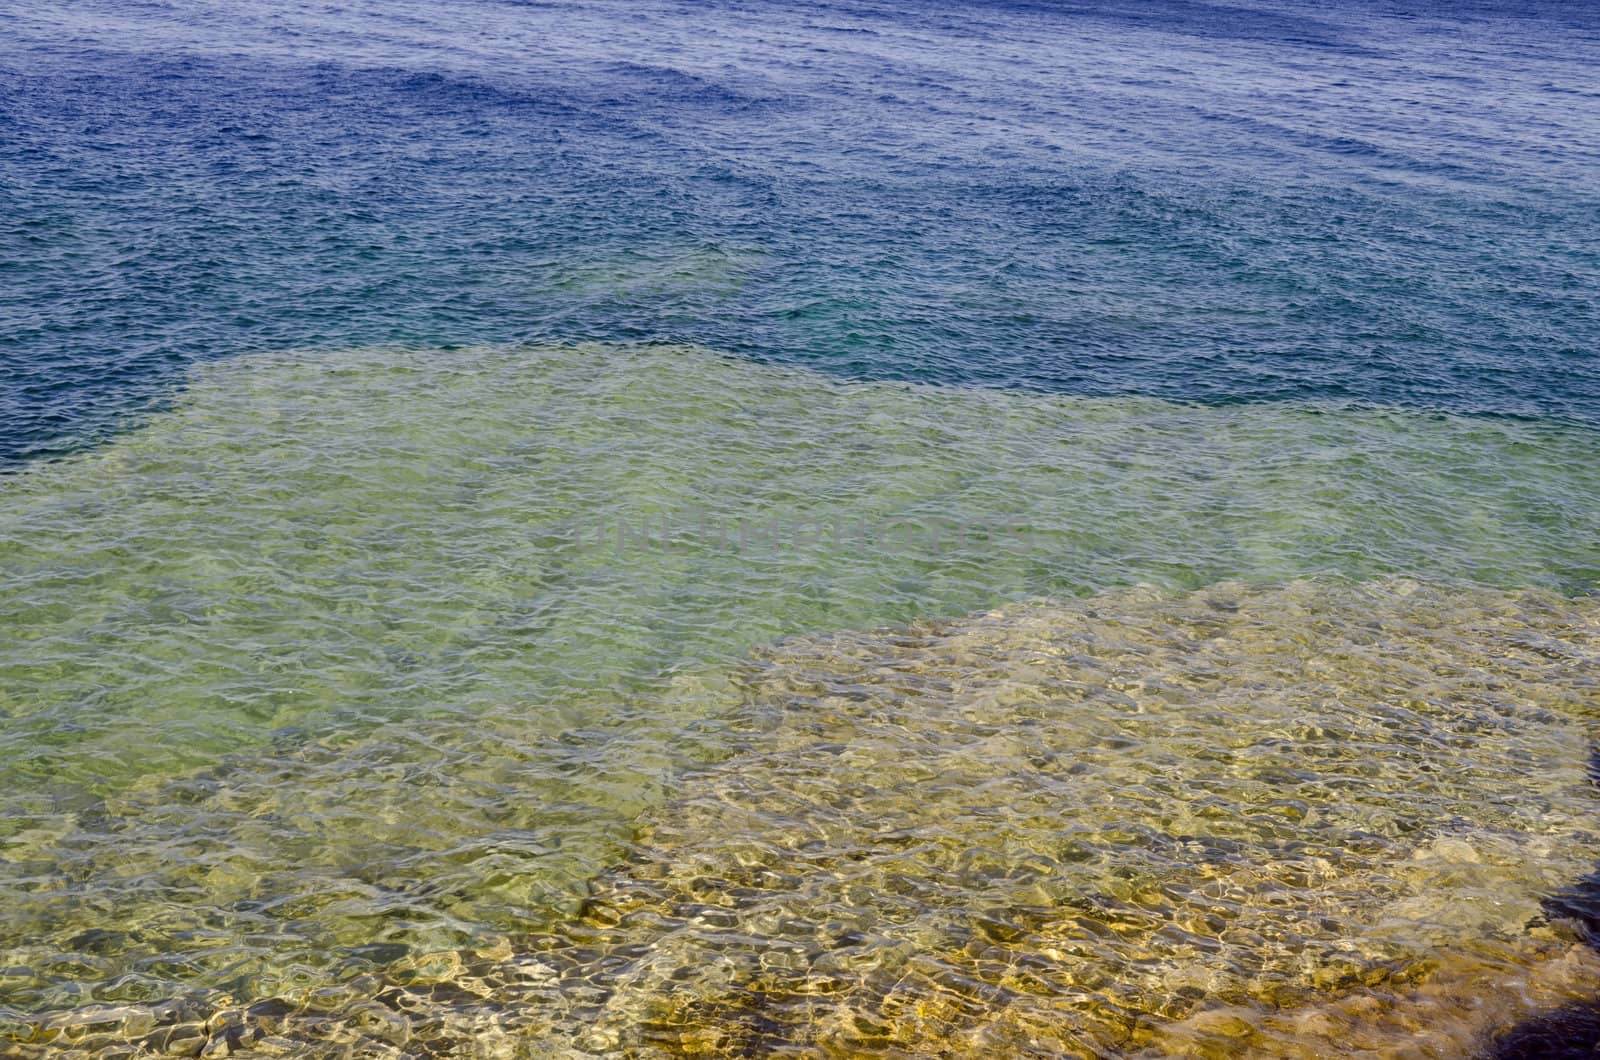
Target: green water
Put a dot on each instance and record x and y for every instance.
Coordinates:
(1297, 821)
(364, 653)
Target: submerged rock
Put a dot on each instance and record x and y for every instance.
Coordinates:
(1245, 820)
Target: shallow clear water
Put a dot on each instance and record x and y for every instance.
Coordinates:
(1151, 822)
(357, 655)
(502, 510)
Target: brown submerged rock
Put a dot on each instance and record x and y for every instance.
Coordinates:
(1241, 821)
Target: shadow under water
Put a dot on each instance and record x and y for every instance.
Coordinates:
(1298, 821)
(1572, 1030)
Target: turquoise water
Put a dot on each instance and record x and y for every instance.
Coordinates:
(956, 481)
(358, 654)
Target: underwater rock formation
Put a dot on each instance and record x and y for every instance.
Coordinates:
(1266, 819)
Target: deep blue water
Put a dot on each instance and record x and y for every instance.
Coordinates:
(1380, 203)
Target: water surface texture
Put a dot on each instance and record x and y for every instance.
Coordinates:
(1387, 204)
(650, 529)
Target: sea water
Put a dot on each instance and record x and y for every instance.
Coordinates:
(698, 530)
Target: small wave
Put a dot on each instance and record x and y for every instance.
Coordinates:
(1294, 820)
